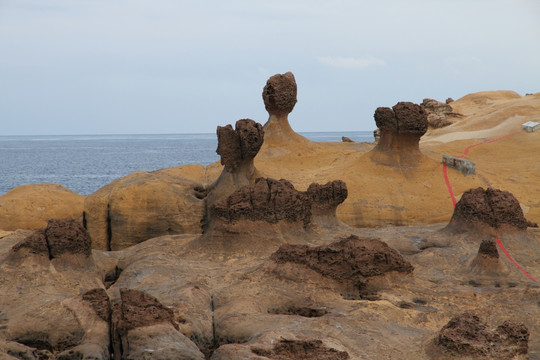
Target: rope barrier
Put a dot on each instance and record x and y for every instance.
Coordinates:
(449, 187)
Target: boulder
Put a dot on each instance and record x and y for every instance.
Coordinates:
(143, 205)
(489, 211)
(31, 206)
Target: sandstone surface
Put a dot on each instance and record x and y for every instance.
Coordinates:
(31, 206)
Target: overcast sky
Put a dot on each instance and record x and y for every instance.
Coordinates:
(165, 66)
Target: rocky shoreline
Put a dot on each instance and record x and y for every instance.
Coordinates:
(288, 249)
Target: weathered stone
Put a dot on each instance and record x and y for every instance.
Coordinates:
(466, 167)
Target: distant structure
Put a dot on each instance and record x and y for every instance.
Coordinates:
(465, 166)
(530, 126)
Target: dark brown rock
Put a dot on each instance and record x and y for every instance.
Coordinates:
(239, 144)
(67, 236)
(61, 236)
(410, 118)
(466, 334)
(385, 119)
(267, 200)
(300, 350)
(99, 300)
(480, 209)
(279, 94)
(488, 248)
(325, 198)
(137, 309)
(346, 139)
(350, 260)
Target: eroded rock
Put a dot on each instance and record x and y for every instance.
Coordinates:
(301, 349)
(348, 261)
(466, 334)
(401, 129)
(490, 211)
(439, 114)
(279, 94)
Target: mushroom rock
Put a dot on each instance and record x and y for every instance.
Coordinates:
(279, 96)
(401, 129)
(467, 335)
(31, 206)
(143, 205)
(438, 114)
(237, 148)
(325, 200)
(487, 259)
(352, 262)
(489, 211)
(142, 327)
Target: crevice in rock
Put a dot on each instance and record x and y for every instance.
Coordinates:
(109, 227)
(303, 311)
(112, 276)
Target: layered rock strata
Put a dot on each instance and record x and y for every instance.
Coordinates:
(401, 128)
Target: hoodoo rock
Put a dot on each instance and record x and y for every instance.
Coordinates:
(279, 94)
(466, 334)
(401, 129)
(237, 148)
(351, 261)
(487, 259)
(489, 211)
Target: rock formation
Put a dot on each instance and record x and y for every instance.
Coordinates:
(142, 327)
(31, 206)
(401, 127)
(439, 114)
(299, 350)
(467, 335)
(237, 148)
(351, 261)
(143, 205)
(489, 211)
(487, 259)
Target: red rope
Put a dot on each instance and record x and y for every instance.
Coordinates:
(447, 181)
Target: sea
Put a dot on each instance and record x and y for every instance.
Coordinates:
(85, 163)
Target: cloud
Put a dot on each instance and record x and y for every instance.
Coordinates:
(351, 62)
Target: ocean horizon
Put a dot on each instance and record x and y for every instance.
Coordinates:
(85, 163)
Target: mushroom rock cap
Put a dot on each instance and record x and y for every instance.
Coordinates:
(489, 211)
(279, 94)
(239, 144)
(326, 198)
(411, 118)
(385, 119)
(487, 260)
(488, 248)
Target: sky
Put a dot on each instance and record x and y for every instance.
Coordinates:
(163, 66)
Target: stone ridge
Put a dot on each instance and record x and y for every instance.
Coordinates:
(273, 200)
(348, 260)
(279, 94)
(492, 207)
(61, 236)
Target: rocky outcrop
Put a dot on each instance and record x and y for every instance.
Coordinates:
(439, 114)
(351, 261)
(237, 148)
(62, 239)
(31, 206)
(143, 205)
(401, 128)
(489, 211)
(299, 350)
(466, 334)
(279, 94)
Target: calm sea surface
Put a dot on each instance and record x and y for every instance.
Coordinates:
(85, 163)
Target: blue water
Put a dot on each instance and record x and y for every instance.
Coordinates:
(85, 163)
